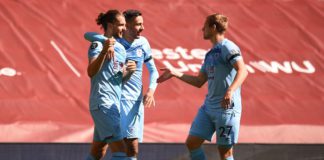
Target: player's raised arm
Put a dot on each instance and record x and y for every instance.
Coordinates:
(196, 81)
(96, 57)
(94, 36)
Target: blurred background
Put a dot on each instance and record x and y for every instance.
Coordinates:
(44, 87)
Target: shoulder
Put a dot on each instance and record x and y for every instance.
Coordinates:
(119, 48)
(120, 40)
(95, 45)
(143, 40)
(229, 46)
(94, 49)
(119, 45)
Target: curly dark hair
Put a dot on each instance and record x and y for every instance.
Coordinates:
(109, 17)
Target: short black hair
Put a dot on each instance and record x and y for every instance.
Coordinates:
(109, 17)
(131, 13)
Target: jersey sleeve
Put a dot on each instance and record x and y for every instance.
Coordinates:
(231, 53)
(147, 51)
(94, 36)
(154, 74)
(94, 49)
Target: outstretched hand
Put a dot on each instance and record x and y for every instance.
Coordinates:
(165, 76)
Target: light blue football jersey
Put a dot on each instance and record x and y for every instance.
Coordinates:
(106, 85)
(218, 65)
(140, 51)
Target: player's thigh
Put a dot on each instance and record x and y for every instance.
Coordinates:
(227, 126)
(202, 126)
(107, 124)
(132, 119)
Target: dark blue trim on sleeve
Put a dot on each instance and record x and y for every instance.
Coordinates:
(148, 59)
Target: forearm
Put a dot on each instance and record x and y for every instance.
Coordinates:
(154, 74)
(126, 75)
(192, 80)
(96, 65)
(239, 79)
(94, 36)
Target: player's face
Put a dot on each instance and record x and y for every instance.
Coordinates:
(207, 30)
(135, 27)
(119, 26)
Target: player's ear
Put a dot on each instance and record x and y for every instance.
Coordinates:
(128, 24)
(214, 27)
(110, 25)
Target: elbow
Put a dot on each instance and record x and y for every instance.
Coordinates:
(244, 75)
(90, 73)
(199, 85)
(155, 77)
(154, 73)
(243, 72)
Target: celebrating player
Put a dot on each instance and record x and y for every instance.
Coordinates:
(225, 72)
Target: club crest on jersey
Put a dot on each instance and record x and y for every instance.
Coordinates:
(216, 56)
(139, 52)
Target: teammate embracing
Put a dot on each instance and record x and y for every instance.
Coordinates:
(132, 108)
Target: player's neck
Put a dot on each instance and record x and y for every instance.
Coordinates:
(217, 39)
(128, 38)
(108, 34)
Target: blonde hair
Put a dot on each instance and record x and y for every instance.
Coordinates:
(219, 20)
